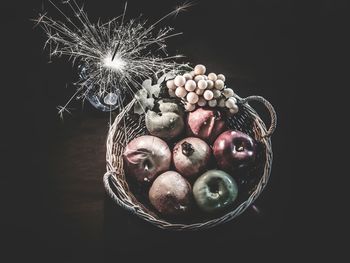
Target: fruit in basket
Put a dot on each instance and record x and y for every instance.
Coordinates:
(191, 156)
(206, 124)
(214, 190)
(234, 149)
(168, 123)
(145, 157)
(171, 194)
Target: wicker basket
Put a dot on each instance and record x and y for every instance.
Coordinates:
(126, 128)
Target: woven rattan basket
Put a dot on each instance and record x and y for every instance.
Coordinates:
(125, 128)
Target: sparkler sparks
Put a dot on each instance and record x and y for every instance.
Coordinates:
(116, 63)
(116, 56)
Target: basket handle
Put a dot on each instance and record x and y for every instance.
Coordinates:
(123, 112)
(270, 108)
(107, 184)
(109, 191)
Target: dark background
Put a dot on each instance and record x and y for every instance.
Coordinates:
(53, 195)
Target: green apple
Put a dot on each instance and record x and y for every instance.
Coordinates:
(214, 190)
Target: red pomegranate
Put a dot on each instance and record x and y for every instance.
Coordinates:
(191, 156)
(146, 157)
(206, 124)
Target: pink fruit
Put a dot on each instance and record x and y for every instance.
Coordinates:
(171, 194)
(206, 124)
(191, 157)
(146, 157)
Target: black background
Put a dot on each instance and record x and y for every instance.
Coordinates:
(56, 209)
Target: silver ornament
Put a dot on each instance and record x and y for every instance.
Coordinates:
(111, 99)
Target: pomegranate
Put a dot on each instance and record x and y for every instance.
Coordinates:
(191, 156)
(146, 157)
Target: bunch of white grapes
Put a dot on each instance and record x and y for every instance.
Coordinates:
(196, 88)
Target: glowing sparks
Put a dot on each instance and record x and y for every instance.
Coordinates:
(182, 8)
(116, 56)
(116, 63)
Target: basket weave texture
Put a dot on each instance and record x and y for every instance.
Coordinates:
(126, 128)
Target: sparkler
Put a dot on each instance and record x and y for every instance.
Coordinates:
(114, 57)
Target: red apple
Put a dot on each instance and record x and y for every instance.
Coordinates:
(191, 156)
(233, 150)
(146, 157)
(206, 124)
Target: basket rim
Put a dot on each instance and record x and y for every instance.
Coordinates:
(111, 179)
